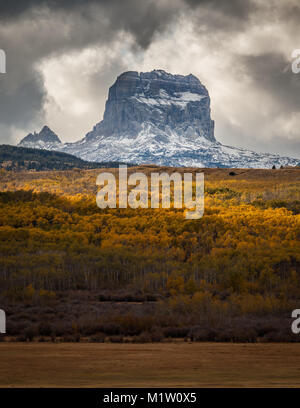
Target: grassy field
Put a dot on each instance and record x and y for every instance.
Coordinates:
(149, 365)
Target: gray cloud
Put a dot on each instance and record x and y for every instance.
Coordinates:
(140, 18)
(272, 73)
(33, 31)
(232, 8)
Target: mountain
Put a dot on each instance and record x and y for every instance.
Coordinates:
(156, 117)
(21, 158)
(46, 139)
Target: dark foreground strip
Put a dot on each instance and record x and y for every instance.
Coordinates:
(139, 397)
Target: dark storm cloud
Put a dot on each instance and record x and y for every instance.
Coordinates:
(233, 8)
(19, 104)
(272, 73)
(17, 8)
(33, 30)
(140, 18)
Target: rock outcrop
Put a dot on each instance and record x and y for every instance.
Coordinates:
(163, 102)
(45, 139)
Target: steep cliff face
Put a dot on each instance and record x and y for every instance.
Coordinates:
(156, 117)
(151, 117)
(160, 101)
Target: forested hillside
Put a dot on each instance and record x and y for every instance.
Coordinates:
(22, 158)
(232, 275)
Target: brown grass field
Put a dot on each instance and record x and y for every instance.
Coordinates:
(149, 365)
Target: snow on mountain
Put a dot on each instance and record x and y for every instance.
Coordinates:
(156, 117)
(45, 139)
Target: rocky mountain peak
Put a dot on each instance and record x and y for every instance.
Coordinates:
(45, 139)
(163, 102)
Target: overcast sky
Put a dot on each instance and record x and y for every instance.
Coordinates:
(63, 56)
